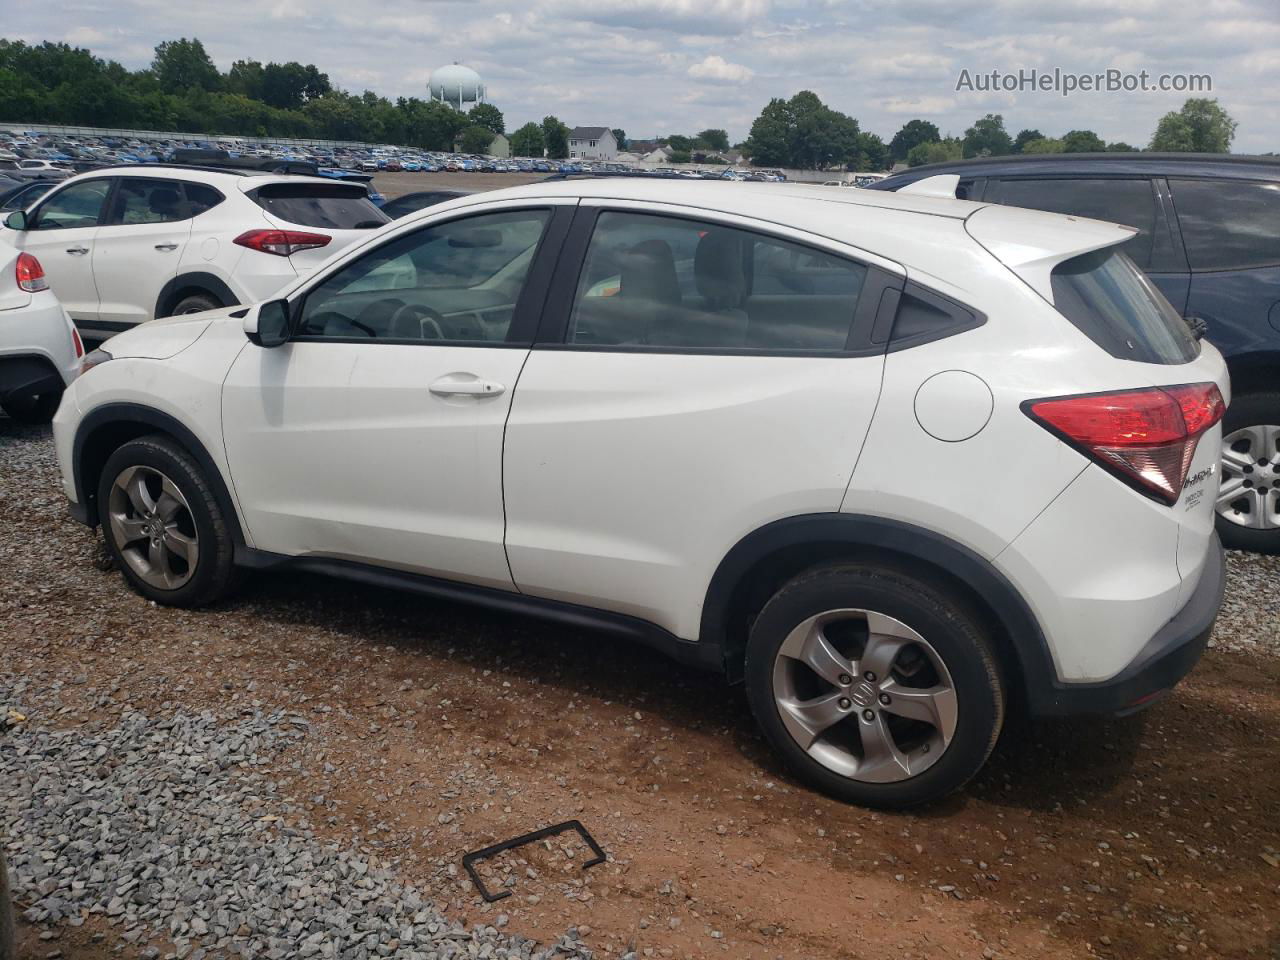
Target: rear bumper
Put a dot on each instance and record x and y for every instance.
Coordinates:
(1165, 659)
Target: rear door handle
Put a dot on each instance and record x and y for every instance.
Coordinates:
(77, 251)
(466, 385)
(166, 246)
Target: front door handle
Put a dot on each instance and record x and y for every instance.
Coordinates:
(77, 251)
(166, 246)
(466, 385)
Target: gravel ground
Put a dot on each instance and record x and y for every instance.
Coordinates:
(298, 771)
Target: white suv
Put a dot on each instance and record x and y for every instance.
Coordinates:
(892, 460)
(126, 244)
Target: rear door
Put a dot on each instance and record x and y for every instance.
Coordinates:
(139, 246)
(1132, 201)
(696, 376)
(341, 211)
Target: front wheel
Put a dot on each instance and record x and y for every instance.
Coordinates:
(1249, 497)
(163, 525)
(876, 687)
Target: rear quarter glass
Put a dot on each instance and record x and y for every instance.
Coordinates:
(1112, 302)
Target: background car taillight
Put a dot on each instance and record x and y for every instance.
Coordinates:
(1146, 437)
(30, 274)
(77, 342)
(282, 243)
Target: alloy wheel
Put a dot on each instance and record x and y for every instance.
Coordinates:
(1250, 492)
(865, 695)
(152, 527)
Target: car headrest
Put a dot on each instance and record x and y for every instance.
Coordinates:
(718, 272)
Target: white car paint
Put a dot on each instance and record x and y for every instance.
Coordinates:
(619, 480)
(33, 326)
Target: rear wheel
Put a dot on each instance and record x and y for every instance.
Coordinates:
(195, 303)
(33, 408)
(163, 525)
(1249, 497)
(876, 687)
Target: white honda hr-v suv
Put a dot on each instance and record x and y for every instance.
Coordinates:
(891, 460)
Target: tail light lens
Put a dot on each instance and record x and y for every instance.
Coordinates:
(30, 274)
(282, 243)
(77, 342)
(1146, 437)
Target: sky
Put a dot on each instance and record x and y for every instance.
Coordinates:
(679, 66)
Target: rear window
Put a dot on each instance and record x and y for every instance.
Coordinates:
(320, 205)
(1113, 303)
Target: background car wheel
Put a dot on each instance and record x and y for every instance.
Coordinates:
(162, 524)
(196, 303)
(38, 408)
(876, 688)
(1249, 497)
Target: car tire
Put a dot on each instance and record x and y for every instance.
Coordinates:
(171, 539)
(1251, 433)
(195, 303)
(33, 408)
(911, 735)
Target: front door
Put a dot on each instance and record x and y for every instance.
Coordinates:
(62, 232)
(139, 247)
(375, 434)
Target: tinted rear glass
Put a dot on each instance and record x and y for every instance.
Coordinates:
(319, 205)
(1112, 303)
(1228, 225)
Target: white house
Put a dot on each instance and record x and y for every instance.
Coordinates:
(592, 143)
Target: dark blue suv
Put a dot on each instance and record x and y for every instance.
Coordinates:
(1209, 236)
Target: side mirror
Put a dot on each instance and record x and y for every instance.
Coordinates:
(16, 220)
(268, 326)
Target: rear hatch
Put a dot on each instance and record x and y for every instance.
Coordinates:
(1132, 431)
(341, 211)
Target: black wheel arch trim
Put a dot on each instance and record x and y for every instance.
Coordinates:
(904, 541)
(207, 281)
(86, 510)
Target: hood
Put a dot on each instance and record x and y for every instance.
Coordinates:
(162, 339)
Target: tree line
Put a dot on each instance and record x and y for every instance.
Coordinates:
(182, 90)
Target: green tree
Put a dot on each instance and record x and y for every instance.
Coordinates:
(290, 85)
(429, 124)
(1082, 141)
(488, 116)
(556, 137)
(769, 144)
(620, 136)
(912, 134)
(183, 65)
(801, 132)
(1121, 147)
(680, 143)
(952, 148)
(1024, 137)
(528, 141)
(714, 139)
(1201, 126)
(476, 139)
(987, 138)
(680, 156)
(872, 154)
(246, 78)
(1044, 145)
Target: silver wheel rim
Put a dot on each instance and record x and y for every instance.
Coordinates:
(1250, 492)
(865, 695)
(152, 527)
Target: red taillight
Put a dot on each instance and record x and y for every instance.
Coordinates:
(30, 274)
(1147, 437)
(282, 243)
(79, 344)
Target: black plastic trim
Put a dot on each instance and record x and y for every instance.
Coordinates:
(207, 281)
(28, 374)
(962, 317)
(691, 653)
(122, 413)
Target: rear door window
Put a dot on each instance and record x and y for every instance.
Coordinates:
(336, 206)
(1228, 225)
(1114, 304)
(138, 200)
(1131, 202)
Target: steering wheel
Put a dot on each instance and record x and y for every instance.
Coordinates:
(428, 318)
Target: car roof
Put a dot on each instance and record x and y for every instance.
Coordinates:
(246, 179)
(1227, 166)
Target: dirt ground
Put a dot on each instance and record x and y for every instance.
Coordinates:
(439, 729)
(393, 185)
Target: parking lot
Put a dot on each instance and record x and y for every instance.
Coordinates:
(409, 732)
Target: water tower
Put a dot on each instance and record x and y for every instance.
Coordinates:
(458, 86)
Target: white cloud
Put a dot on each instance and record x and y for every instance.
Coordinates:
(715, 69)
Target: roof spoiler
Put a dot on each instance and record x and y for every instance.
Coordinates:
(941, 185)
